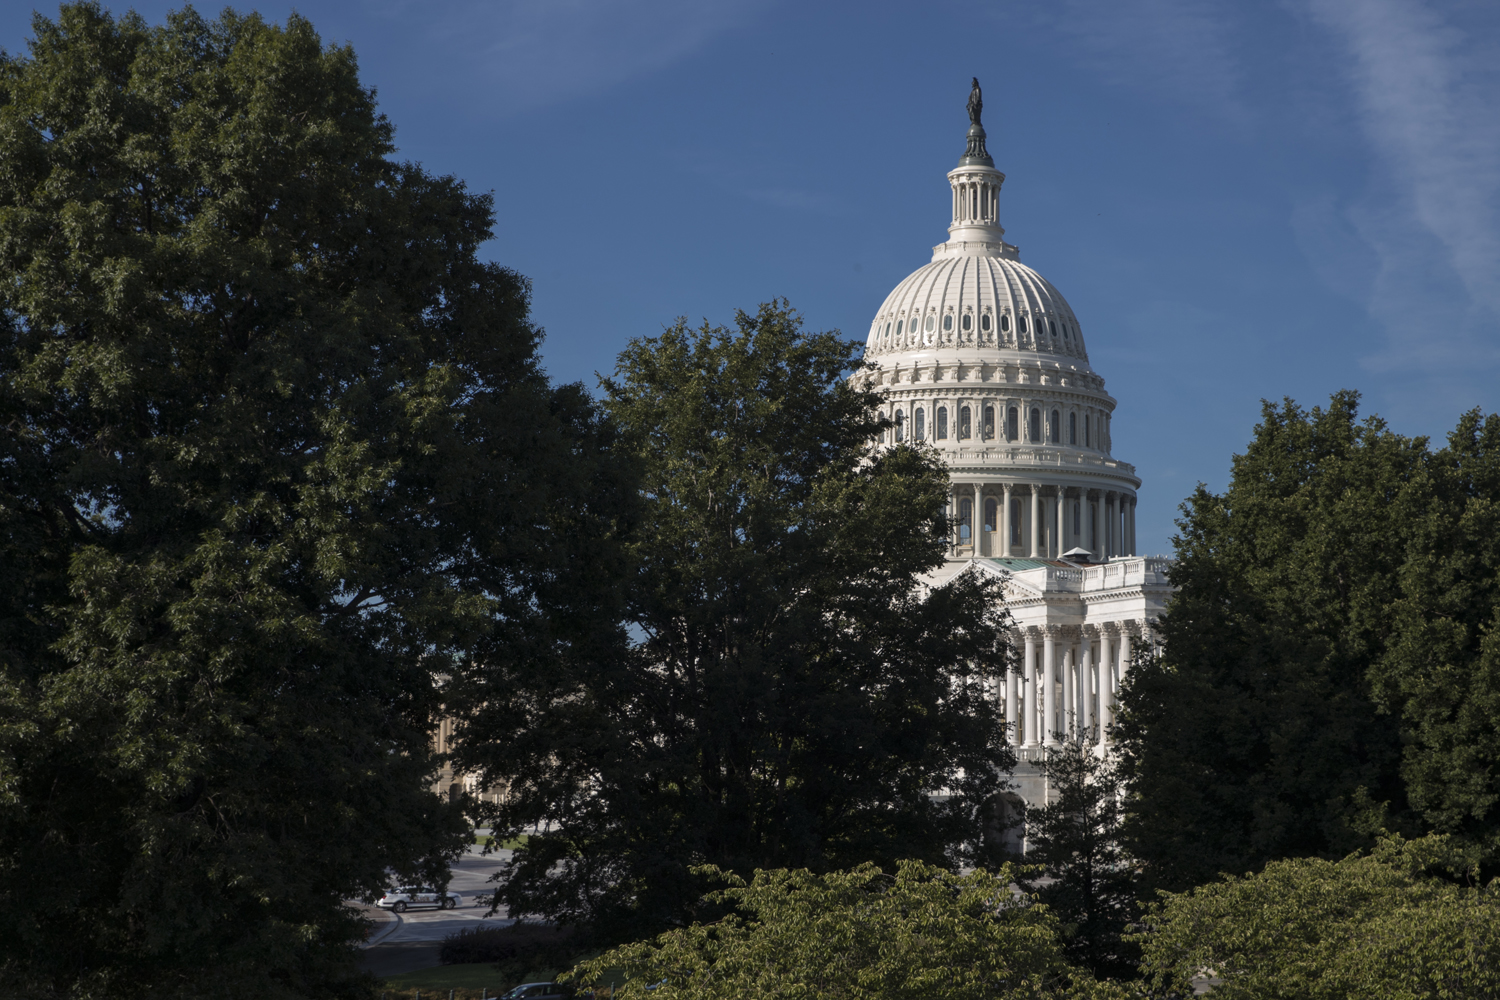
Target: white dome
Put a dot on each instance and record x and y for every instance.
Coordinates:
(986, 307)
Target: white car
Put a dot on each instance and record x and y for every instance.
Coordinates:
(402, 898)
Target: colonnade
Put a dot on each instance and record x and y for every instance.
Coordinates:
(1067, 681)
(1105, 525)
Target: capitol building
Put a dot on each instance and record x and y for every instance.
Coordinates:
(982, 358)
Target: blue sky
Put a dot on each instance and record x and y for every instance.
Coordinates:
(1240, 200)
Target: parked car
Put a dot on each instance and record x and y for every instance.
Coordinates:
(402, 898)
(539, 991)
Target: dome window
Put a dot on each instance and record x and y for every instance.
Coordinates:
(968, 322)
(1034, 432)
(900, 426)
(1022, 321)
(1005, 323)
(898, 327)
(942, 423)
(964, 425)
(1072, 425)
(1086, 423)
(948, 322)
(1012, 425)
(919, 425)
(1052, 327)
(989, 423)
(991, 508)
(929, 324)
(1056, 428)
(965, 519)
(984, 322)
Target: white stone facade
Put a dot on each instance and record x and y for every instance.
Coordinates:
(982, 358)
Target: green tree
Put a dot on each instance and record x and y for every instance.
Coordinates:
(275, 450)
(1329, 665)
(1082, 872)
(793, 696)
(1398, 923)
(922, 933)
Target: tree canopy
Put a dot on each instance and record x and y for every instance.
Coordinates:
(276, 452)
(921, 932)
(1404, 921)
(792, 696)
(1330, 663)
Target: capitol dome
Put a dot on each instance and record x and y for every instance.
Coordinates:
(980, 357)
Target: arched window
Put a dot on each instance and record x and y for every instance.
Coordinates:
(1072, 428)
(1012, 425)
(991, 509)
(1056, 427)
(984, 322)
(919, 425)
(965, 519)
(948, 321)
(968, 321)
(964, 428)
(989, 423)
(900, 426)
(1035, 430)
(1005, 322)
(1086, 423)
(942, 423)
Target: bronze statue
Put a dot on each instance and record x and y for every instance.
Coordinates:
(976, 103)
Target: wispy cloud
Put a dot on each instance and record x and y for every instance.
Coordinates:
(1426, 93)
(1178, 49)
(530, 53)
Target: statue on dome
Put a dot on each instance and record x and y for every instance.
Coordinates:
(976, 103)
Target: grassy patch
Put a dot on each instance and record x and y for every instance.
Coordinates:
(468, 982)
(504, 845)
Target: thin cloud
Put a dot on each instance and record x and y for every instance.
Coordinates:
(1426, 97)
(531, 53)
(1178, 49)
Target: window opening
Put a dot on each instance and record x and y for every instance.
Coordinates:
(1086, 432)
(991, 508)
(965, 519)
(1012, 425)
(900, 426)
(1015, 522)
(919, 425)
(1077, 531)
(948, 321)
(1072, 428)
(968, 321)
(1036, 427)
(1022, 321)
(898, 327)
(1056, 428)
(928, 325)
(1005, 322)
(942, 423)
(963, 423)
(984, 322)
(989, 423)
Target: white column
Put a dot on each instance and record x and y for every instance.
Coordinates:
(1036, 520)
(1028, 679)
(976, 523)
(1133, 549)
(1049, 689)
(1127, 649)
(1013, 704)
(1098, 543)
(1062, 532)
(1070, 701)
(1005, 522)
(1106, 685)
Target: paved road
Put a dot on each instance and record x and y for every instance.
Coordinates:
(411, 941)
